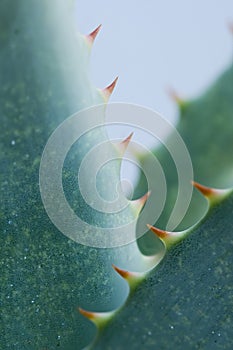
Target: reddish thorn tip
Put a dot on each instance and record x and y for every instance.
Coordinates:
(127, 140)
(144, 198)
(122, 146)
(122, 273)
(138, 204)
(160, 233)
(175, 96)
(93, 34)
(206, 191)
(88, 314)
(109, 89)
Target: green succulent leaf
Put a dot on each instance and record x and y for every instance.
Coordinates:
(186, 302)
(46, 277)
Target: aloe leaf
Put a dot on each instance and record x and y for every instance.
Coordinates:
(48, 277)
(45, 276)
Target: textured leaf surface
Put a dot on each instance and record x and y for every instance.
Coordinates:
(44, 275)
(187, 301)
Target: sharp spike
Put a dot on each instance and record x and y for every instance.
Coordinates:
(127, 140)
(133, 278)
(177, 98)
(88, 314)
(106, 92)
(160, 233)
(214, 195)
(98, 318)
(91, 37)
(138, 204)
(125, 274)
(122, 146)
(206, 191)
(168, 238)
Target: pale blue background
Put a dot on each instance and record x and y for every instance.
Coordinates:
(154, 44)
